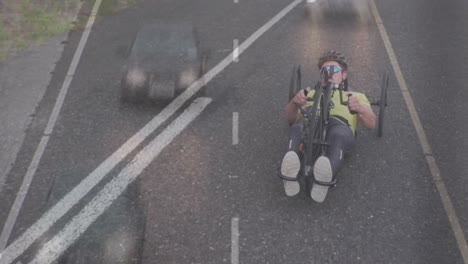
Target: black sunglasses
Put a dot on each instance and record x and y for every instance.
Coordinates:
(328, 71)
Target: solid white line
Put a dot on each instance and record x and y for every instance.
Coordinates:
(435, 172)
(78, 225)
(235, 52)
(68, 201)
(18, 203)
(235, 240)
(235, 128)
(267, 26)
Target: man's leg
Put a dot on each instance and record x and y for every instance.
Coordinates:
(291, 163)
(340, 139)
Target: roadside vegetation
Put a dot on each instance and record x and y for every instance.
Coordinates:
(25, 23)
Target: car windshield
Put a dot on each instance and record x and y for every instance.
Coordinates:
(160, 42)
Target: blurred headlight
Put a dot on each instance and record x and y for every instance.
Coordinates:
(136, 77)
(187, 77)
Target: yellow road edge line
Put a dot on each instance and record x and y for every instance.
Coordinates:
(435, 172)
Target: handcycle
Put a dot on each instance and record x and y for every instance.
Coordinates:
(316, 117)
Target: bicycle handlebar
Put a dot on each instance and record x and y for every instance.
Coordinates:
(340, 87)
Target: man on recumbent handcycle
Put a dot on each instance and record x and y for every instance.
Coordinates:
(340, 131)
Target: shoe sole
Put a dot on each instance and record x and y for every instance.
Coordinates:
(290, 168)
(323, 173)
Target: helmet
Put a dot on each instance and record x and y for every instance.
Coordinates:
(333, 55)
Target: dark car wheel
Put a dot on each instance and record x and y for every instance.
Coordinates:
(126, 93)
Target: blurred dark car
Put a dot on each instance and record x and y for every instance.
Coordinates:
(331, 10)
(163, 61)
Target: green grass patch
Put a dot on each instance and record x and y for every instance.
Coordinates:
(108, 7)
(40, 24)
(3, 42)
(24, 23)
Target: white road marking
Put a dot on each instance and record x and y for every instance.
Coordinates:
(235, 52)
(235, 128)
(78, 225)
(236, 1)
(435, 172)
(267, 26)
(235, 240)
(68, 201)
(18, 203)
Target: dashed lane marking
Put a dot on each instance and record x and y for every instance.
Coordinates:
(43, 224)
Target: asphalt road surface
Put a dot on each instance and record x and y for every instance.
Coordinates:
(195, 197)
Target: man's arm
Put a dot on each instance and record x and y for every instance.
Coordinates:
(366, 116)
(292, 111)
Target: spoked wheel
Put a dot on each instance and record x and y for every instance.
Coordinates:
(312, 139)
(382, 103)
(295, 84)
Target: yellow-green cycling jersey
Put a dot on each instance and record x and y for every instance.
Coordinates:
(341, 112)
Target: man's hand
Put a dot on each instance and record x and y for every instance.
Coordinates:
(301, 98)
(292, 109)
(353, 104)
(365, 114)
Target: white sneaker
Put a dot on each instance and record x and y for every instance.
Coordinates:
(323, 173)
(290, 168)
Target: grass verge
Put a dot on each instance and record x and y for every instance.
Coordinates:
(25, 23)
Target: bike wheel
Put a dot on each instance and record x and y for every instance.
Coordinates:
(313, 129)
(382, 103)
(295, 83)
(312, 136)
